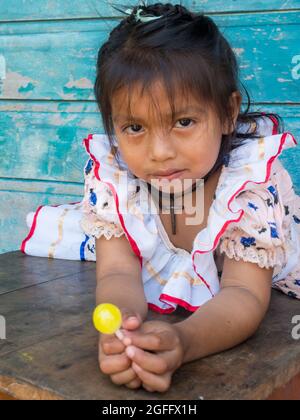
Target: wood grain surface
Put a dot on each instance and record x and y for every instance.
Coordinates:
(51, 346)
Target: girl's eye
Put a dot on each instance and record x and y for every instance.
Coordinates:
(186, 122)
(135, 128)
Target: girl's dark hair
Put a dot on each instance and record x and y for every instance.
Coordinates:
(183, 49)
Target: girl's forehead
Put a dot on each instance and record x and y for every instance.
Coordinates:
(153, 98)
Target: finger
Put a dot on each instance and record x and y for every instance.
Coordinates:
(124, 377)
(114, 364)
(112, 345)
(131, 320)
(159, 383)
(150, 361)
(135, 384)
(147, 388)
(158, 341)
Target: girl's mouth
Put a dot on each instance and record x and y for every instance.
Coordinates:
(169, 175)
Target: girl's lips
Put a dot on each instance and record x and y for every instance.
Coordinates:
(174, 175)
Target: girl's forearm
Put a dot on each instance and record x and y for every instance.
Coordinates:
(123, 291)
(227, 320)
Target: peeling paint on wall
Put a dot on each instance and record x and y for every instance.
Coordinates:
(82, 83)
(281, 80)
(2, 67)
(61, 119)
(77, 88)
(17, 86)
(47, 102)
(296, 69)
(28, 88)
(2, 71)
(239, 51)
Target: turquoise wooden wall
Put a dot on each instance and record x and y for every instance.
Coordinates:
(47, 64)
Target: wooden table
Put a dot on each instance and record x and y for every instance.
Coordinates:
(51, 347)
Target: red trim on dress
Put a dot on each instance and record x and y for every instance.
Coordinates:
(34, 224)
(228, 222)
(166, 299)
(132, 242)
(179, 302)
(274, 121)
(156, 308)
(275, 125)
(31, 232)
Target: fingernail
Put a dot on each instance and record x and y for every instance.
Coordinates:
(136, 367)
(130, 351)
(127, 341)
(106, 347)
(132, 318)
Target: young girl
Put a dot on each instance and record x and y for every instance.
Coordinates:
(169, 94)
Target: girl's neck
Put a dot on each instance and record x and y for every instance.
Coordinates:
(172, 202)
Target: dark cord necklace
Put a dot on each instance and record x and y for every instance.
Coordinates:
(172, 203)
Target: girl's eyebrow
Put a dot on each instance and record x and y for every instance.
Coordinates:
(197, 109)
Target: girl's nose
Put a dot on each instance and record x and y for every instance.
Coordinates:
(161, 148)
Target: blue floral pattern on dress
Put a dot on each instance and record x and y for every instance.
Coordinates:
(89, 166)
(93, 197)
(263, 230)
(297, 282)
(274, 192)
(269, 202)
(226, 160)
(297, 220)
(253, 206)
(286, 210)
(247, 242)
(274, 233)
(91, 248)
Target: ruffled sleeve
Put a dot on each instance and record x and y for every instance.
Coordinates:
(113, 202)
(262, 235)
(100, 216)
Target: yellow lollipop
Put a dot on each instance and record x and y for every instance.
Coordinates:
(107, 319)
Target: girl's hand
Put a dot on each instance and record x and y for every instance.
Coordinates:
(156, 351)
(113, 360)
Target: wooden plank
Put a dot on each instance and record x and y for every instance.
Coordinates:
(24, 391)
(67, 190)
(291, 391)
(17, 272)
(217, 6)
(36, 140)
(37, 136)
(5, 397)
(56, 9)
(53, 347)
(259, 39)
(46, 310)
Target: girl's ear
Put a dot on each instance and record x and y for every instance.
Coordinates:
(235, 102)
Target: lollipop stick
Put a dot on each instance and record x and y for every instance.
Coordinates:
(120, 335)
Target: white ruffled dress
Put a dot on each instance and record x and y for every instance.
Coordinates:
(255, 216)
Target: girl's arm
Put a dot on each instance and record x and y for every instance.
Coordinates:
(119, 279)
(232, 316)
